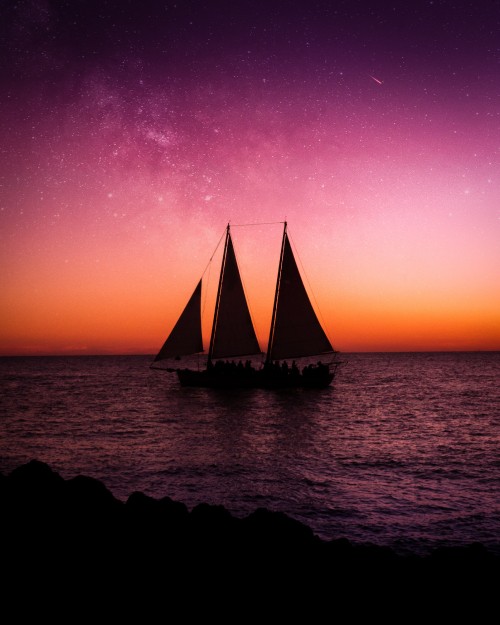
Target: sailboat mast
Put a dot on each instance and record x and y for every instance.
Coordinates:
(275, 305)
(217, 301)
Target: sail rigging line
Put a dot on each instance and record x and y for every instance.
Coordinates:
(304, 273)
(206, 288)
(214, 252)
(262, 223)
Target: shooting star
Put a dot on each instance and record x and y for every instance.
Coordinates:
(380, 82)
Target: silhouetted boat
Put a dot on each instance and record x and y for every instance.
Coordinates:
(295, 333)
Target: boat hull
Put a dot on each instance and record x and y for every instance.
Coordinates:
(254, 379)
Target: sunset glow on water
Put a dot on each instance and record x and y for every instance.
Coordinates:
(401, 450)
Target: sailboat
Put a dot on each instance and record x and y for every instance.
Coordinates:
(295, 333)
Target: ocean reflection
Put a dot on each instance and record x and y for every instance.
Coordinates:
(401, 448)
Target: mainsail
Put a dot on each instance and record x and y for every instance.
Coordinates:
(233, 331)
(186, 337)
(296, 331)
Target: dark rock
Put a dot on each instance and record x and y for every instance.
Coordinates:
(277, 528)
(213, 528)
(155, 526)
(34, 481)
(77, 523)
(138, 500)
(175, 509)
(87, 493)
(30, 494)
(205, 513)
(474, 553)
(34, 473)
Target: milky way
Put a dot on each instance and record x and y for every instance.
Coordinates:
(132, 132)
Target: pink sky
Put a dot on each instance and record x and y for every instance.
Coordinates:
(117, 185)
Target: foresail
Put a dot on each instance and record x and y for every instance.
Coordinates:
(234, 332)
(185, 337)
(297, 330)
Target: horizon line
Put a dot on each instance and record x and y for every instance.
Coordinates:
(201, 354)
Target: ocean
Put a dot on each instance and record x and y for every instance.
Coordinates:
(402, 450)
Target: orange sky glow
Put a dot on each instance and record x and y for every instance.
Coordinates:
(119, 174)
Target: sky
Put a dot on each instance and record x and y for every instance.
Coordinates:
(131, 133)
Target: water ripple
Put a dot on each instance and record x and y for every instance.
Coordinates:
(401, 451)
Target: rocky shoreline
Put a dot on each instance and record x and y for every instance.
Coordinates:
(65, 528)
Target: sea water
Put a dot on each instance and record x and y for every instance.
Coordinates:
(402, 450)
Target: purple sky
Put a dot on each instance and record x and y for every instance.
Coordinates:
(131, 132)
